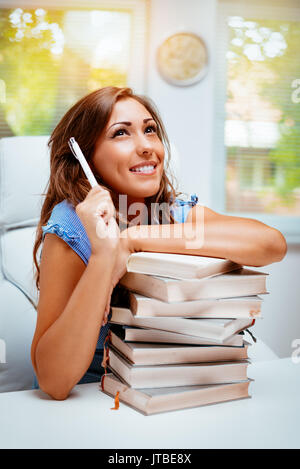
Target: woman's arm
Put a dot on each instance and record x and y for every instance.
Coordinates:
(73, 297)
(207, 233)
(70, 313)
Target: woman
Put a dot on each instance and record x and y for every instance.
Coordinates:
(85, 252)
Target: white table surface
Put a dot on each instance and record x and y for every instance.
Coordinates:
(270, 419)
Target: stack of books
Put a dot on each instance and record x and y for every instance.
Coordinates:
(179, 343)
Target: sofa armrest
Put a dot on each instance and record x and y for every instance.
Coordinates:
(17, 325)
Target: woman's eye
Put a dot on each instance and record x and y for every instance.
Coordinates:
(152, 128)
(119, 132)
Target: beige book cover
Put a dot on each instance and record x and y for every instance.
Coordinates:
(159, 354)
(240, 282)
(138, 334)
(239, 307)
(185, 374)
(157, 400)
(217, 330)
(178, 266)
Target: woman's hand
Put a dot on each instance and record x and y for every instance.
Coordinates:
(124, 251)
(97, 212)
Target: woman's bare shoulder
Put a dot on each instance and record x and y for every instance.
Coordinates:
(60, 269)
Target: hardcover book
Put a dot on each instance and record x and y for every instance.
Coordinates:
(185, 374)
(158, 354)
(157, 400)
(240, 282)
(217, 330)
(138, 334)
(178, 266)
(239, 307)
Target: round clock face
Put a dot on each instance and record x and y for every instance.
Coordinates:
(182, 59)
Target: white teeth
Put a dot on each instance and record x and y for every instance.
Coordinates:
(143, 169)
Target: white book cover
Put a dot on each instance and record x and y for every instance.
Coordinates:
(149, 401)
(178, 265)
(238, 307)
(217, 330)
(176, 374)
(239, 282)
(138, 334)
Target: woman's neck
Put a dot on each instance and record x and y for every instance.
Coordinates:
(137, 212)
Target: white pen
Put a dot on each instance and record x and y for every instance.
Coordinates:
(75, 149)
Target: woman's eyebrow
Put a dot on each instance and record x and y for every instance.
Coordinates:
(130, 123)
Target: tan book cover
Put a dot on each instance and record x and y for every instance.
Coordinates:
(157, 400)
(158, 354)
(178, 266)
(239, 307)
(217, 330)
(138, 334)
(240, 282)
(185, 374)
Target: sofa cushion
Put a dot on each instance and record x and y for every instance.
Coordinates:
(17, 260)
(24, 173)
(17, 325)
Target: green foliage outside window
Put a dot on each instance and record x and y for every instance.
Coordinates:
(43, 76)
(264, 60)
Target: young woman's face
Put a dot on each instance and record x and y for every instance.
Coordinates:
(129, 156)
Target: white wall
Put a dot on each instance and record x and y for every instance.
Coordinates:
(188, 113)
(281, 308)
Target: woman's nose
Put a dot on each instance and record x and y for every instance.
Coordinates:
(144, 146)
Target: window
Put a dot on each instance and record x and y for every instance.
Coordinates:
(258, 113)
(52, 53)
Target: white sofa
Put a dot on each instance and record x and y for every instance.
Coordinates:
(24, 172)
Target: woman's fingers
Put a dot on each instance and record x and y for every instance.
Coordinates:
(104, 205)
(96, 212)
(106, 209)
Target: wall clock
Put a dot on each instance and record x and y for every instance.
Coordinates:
(182, 59)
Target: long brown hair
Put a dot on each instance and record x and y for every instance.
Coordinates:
(86, 121)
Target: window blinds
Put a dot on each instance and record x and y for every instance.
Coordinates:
(53, 55)
(258, 110)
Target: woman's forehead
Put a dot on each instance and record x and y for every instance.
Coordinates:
(128, 109)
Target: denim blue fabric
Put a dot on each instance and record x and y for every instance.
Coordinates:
(182, 208)
(65, 223)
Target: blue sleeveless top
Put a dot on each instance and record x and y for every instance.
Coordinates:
(65, 223)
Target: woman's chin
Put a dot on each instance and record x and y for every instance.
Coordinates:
(143, 191)
(144, 194)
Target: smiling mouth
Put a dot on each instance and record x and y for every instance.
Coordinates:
(144, 170)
